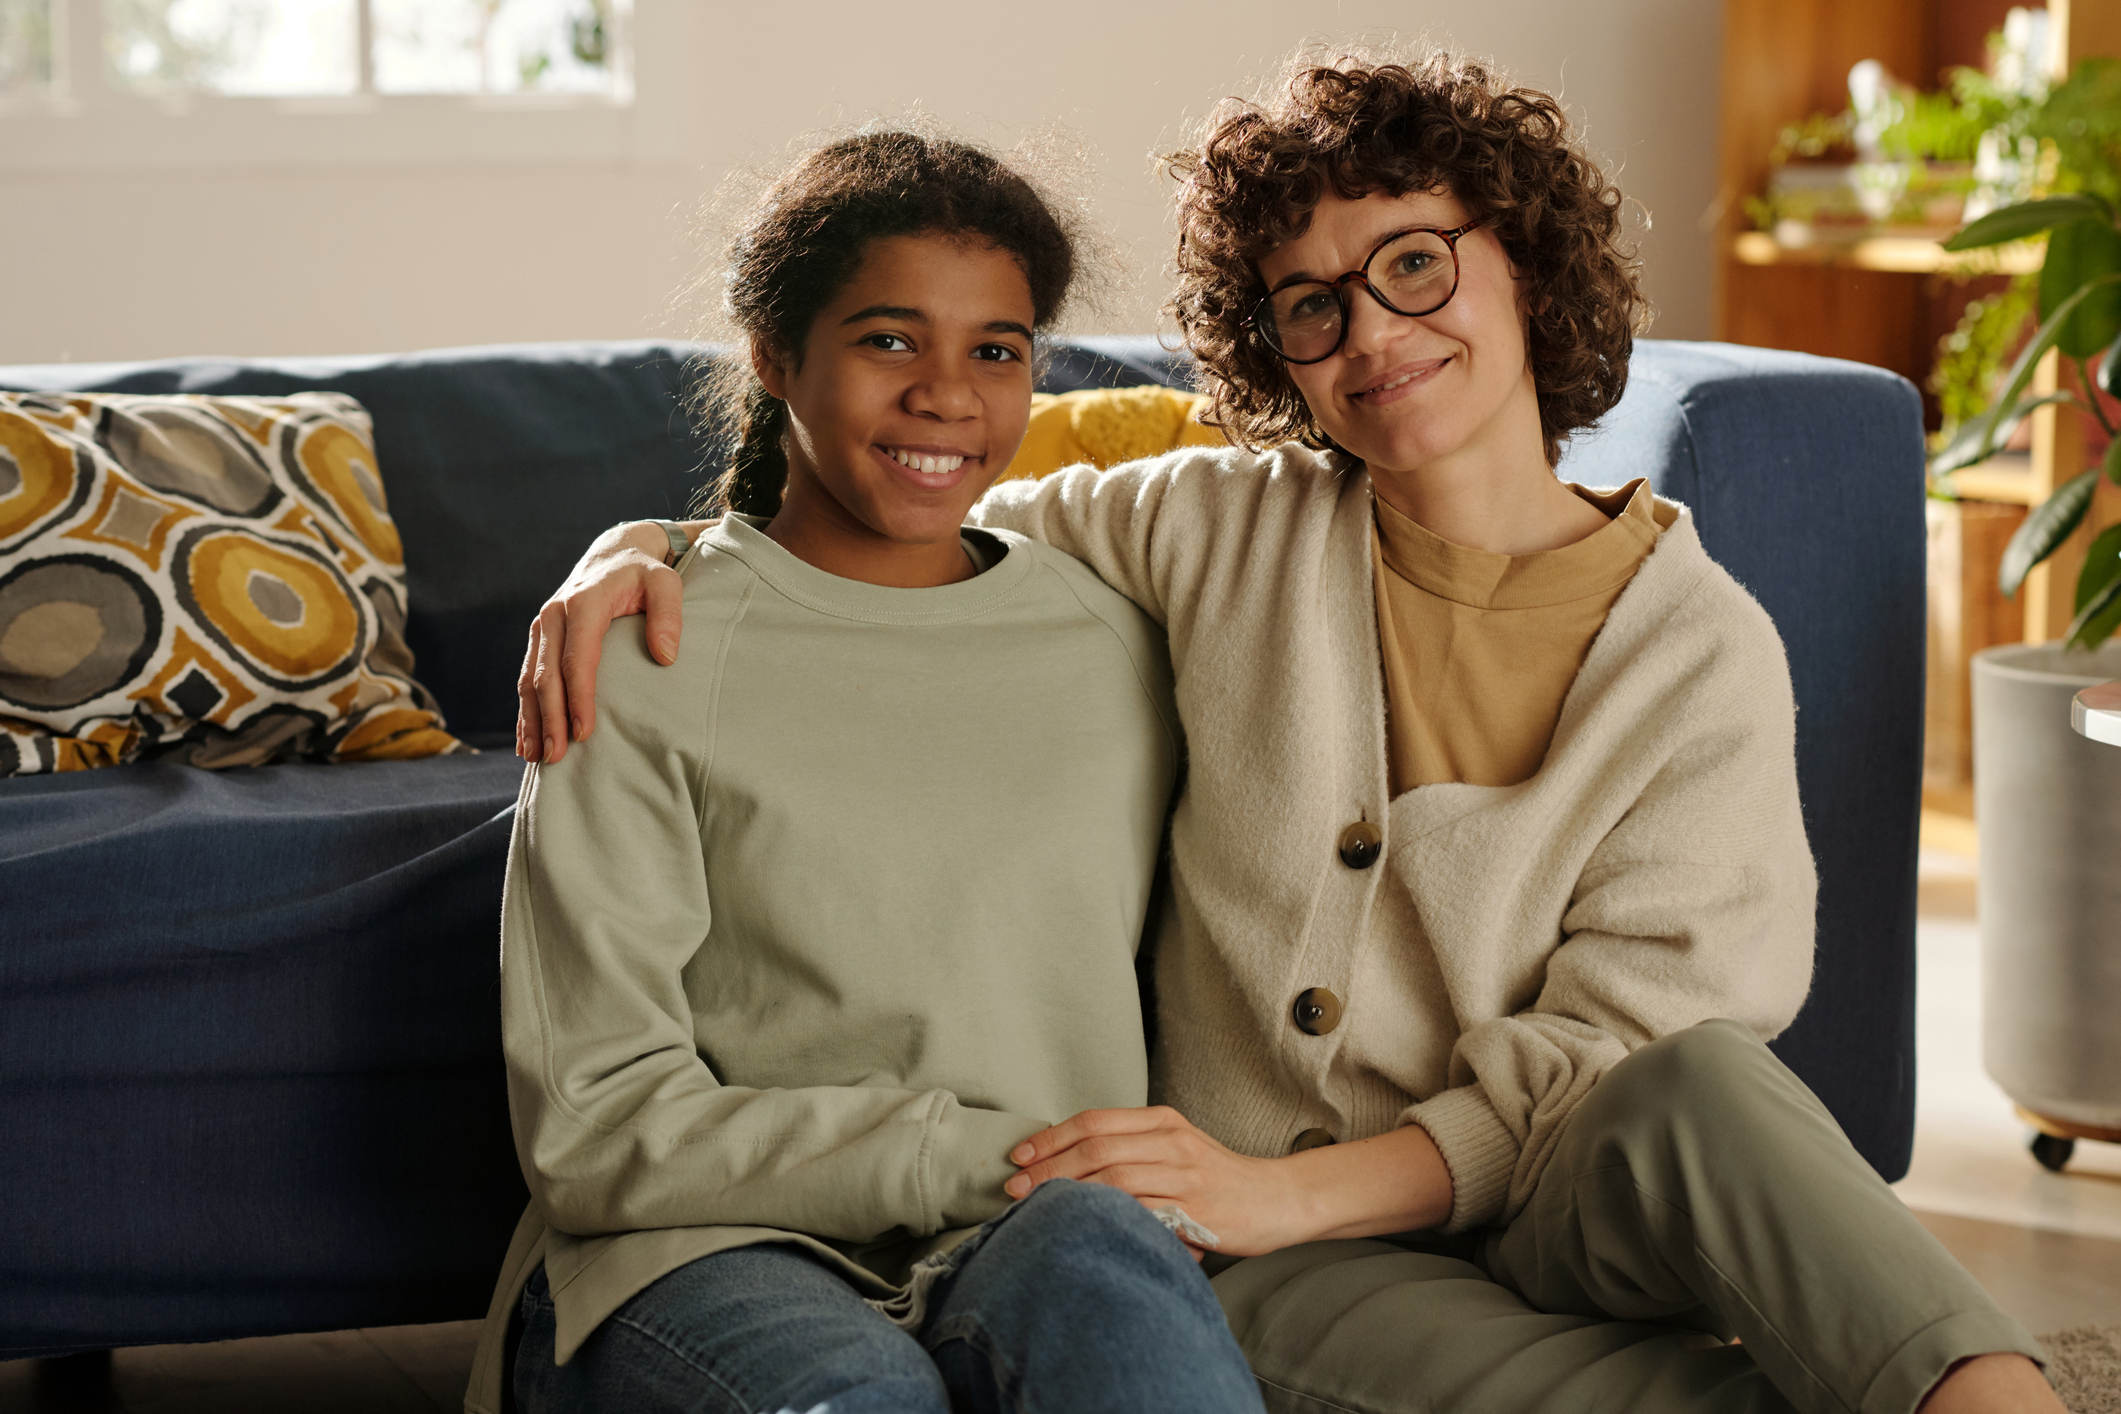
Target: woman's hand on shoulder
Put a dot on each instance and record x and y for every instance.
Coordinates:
(622, 573)
(1251, 1206)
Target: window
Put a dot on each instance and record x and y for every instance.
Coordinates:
(25, 48)
(308, 47)
(214, 82)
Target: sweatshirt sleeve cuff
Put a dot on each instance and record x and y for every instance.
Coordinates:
(968, 1162)
(1477, 1148)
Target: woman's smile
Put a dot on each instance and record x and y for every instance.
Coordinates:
(1400, 382)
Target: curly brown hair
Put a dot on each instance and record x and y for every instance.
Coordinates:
(1436, 123)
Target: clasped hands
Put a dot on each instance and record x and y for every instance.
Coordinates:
(1159, 1157)
(1395, 1182)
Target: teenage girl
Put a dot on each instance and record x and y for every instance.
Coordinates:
(828, 919)
(1489, 876)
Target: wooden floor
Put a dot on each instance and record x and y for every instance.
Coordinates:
(2047, 1246)
(2050, 1281)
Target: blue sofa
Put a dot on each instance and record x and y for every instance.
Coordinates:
(250, 1075)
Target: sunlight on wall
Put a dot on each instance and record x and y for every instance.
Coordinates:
(166, 259)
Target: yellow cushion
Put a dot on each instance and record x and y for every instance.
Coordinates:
(1107, 426)
(216, 580)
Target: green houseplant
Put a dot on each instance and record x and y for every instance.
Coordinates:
(2080, 317)
(2042, 794)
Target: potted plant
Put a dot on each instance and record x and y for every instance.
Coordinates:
(2044, 797)
(2080, 311)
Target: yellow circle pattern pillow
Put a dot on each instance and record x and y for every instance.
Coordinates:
(214, 580)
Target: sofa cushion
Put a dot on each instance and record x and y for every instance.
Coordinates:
(502, 464)
(1107, 426)
(213, 580)
(250, 1050)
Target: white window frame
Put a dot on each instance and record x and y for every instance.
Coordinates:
(86, 123)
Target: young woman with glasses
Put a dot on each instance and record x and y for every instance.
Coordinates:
(1489, 879)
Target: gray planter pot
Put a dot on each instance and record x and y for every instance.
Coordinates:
(2048, 804)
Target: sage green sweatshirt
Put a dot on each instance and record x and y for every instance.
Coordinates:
(825, 919)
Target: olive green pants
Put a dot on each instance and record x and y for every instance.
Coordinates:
(1700, 1193)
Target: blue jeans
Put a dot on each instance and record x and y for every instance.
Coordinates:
(1074, 1301)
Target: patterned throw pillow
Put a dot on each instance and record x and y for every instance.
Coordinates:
(214, 580)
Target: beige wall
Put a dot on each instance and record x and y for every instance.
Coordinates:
(118, 263)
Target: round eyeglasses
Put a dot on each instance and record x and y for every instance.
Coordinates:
(1410, 272)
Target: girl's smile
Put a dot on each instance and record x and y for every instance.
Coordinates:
(933, 468)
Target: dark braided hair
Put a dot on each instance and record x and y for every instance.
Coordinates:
(799, 245)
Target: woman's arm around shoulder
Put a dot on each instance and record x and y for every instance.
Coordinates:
(625, 571)
(1151, 528)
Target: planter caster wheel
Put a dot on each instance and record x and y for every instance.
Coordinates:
(2053, 1151)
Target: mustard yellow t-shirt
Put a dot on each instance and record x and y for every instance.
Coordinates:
(1480, 648)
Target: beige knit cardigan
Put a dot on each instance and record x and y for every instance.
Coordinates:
(1514, 942)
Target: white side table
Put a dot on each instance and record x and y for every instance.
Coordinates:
(2096, 713)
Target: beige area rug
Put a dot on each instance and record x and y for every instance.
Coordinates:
(2084, 1365)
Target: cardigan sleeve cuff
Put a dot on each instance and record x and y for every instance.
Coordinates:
(1477, 1148)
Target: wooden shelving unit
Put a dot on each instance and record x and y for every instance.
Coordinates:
(1899, 255)
(1879, 301)
(1783, 60)
(2005, 479)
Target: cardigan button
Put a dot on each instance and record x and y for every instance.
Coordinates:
(1310, 1139)
(1360, 845)
(1316, 1012)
